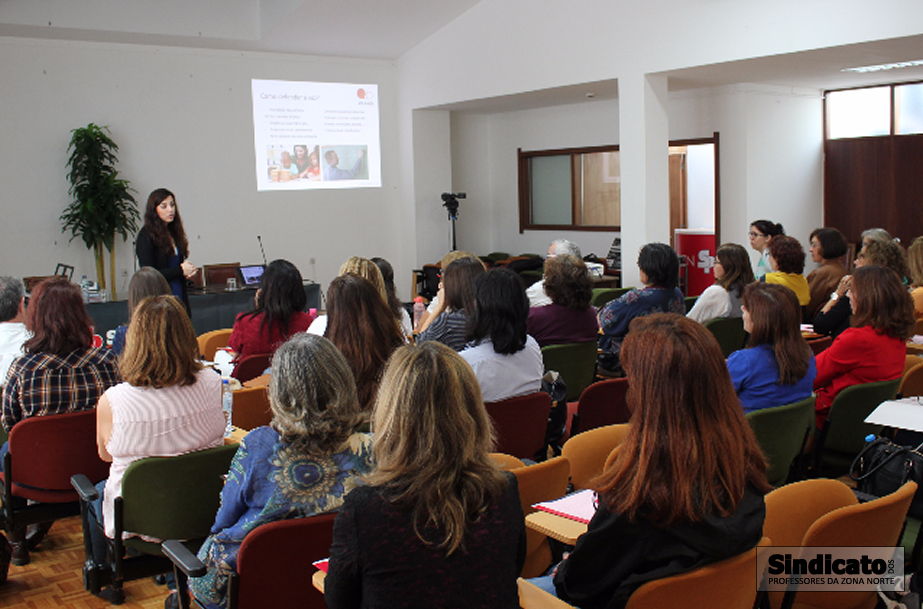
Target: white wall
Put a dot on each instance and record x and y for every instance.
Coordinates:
(183, 120)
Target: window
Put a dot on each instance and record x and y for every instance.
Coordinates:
(575, 188)
(875, 111)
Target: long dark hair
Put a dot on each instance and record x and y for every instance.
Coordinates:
(501, 308)
(737, 272)
(281, 295)
(58, 319)
(164, 235)
(387, 275)
(776, 317)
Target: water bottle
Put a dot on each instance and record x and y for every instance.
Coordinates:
(227, 406)
(418, 309)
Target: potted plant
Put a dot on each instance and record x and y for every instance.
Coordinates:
(103, 205)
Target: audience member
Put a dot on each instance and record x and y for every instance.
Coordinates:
(915, 262)
(455, 302)
(786, 257)
(363, 329)
(303, 464)
(778, 366)
(732, 274)
(443, 265)
(875, 234)
(363, 267)
(506, 360)
(162, 243)
(569, 318)
(278, 312)
(828, 245)
(536, 291)
(761, 235)
(659, 268)
(439, 525)
(686, 487)
(387, 276)
(13, 332)
(873, 348)
(146, 282)
(168, 404)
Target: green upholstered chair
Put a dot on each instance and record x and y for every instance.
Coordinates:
(843, 435)
(729, 332)
(576, 362)
(690, 302)
(782, 432)
(164, 498)
(496, 257)
(603, 296)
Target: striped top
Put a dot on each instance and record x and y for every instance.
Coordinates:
(166, 422)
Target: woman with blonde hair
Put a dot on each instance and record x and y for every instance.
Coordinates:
(732, 274)
(365, 268)
(438, 520)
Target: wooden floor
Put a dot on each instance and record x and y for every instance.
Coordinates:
(53, 578)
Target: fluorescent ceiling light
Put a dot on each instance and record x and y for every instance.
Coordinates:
(885, 66)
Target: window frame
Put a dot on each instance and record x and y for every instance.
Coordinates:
(893, 101)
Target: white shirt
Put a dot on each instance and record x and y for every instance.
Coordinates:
(318, 326)
(504, 376)
(12, 335)
(714, 302)
(536, 294)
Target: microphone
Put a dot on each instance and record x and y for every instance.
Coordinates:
(261, 250)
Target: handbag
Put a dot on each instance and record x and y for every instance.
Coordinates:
(883, 467)
(553, 384)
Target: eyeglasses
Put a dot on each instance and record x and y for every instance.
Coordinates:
(753, 235)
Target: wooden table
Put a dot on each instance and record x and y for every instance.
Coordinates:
(557, 527)
(236, 436)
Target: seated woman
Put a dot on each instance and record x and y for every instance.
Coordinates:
(455, 301)
(146, 282)
(168, 404)
(429, 313)
(439, 524)
(828, 245)
(659, 269)
(686, 488)
(506, 360)
(400, 313)
(569, 318)
(303, 464)
(915, 261)
(873, 348)
(365, 268)
(278, 313)
(732, 274)
(786, 257)
(778, 366)
(362, 327)
(761, 234)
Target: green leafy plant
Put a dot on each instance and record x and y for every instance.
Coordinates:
(103, 206)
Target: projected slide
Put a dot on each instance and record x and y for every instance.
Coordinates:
(315, 135)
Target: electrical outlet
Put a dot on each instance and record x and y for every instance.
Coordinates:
(312, 260)
(124, 272)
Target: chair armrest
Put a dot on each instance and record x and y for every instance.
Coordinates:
(84, 488)
(187, 562)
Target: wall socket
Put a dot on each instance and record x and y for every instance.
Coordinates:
(124, 272)
(312, 260)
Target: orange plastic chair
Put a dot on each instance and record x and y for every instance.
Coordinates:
(251, 408)
(912, 382)
(506, 462)
(521, 423)
(540, 482)
(589, 450)
(210, 342)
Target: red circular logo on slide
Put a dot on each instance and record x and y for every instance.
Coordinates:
(361, 93)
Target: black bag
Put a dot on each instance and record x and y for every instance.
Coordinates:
(883, 467)
(553, 384)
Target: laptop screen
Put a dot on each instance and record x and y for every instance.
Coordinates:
(250, 275)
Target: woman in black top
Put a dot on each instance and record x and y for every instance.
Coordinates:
(162, 243)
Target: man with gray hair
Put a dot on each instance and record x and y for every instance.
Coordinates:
(558, 247)
(13, 331)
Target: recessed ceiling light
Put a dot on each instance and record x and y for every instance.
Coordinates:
(885, 66)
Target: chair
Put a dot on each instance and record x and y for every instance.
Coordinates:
(44, 452)
(576, 362)
(251, 366)
(729, 332)
(587, 452)
(506, 462)
(64, 270)
(521, 423)
(218, 274)
(251, 408)
(910, 361)
(843, 434)
(602, 403)
(210, 342)
(820, 344)
(690, 302)
(271, 565)
(496, 257)
(426, 281)
(876, 523)
(603, 296)
(782, 432)
(912, 382)
(162, 497)
(540, 482)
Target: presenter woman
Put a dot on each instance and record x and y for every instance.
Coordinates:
(162, 243)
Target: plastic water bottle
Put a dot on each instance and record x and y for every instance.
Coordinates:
(227, 406)
(418, 309)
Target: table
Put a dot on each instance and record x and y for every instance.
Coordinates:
(237, 434)
(557, 527)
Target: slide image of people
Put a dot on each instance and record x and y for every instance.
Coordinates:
(308, 162)
(345, 162)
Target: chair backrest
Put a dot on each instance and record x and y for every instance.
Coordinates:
(690, 302)
(46, 451)
(540, 482)
(175, 497)
(212, 341)
(793, 508)
(251, 408)
(218, 274)
(496, 257)
(820, 344)
(910, 361)
(533, 597)
(251, 366)
(912, 381)
(847, 430)
(576, 362)
(588, 451)
(275, 559)
(521, 423)
(782, 432)
(729, 332)
(603, 296)
(506, 462)
(734, 580)
(603, 403)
